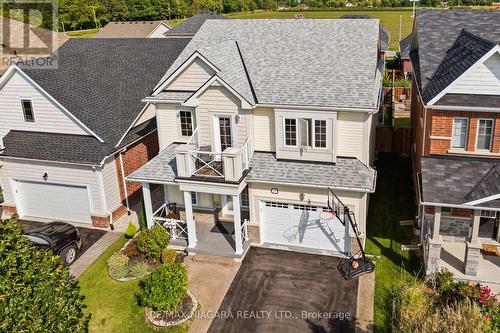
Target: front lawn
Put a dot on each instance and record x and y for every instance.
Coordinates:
(112, 304)
(393, 201)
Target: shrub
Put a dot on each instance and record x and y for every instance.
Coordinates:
(36, 292)
(152, 241)
(462, 317)
(164, 289)
(118, 265)
(168, 256)
(139, 269)
(131, 230)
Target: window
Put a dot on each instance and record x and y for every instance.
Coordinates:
(226, 139)
(488, 213)
(459, 135)
(186, 123)
(484, 133)
(276, 204)
(290, 132)
(305, 132)
(28, 110)
(320, 133)
(194, 198)
(244, 197)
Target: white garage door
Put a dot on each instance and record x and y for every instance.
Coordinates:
(299, 225)
(54, 201)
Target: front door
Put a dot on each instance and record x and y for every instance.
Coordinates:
(223, 136)
(488, 227)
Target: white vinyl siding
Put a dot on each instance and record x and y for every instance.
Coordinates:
(48, 118)
(111, 184)
(193, 77)
(167, 119)
(459, 134)
(13, 170)
(350, 134)
(484, 134)
(264, 134)
(205, 200)
(147, 115)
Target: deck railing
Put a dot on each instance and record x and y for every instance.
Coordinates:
(244, 231)
(176, 228)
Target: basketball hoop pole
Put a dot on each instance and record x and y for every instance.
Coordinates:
(354, 227)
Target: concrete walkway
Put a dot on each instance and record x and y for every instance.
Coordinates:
(209, 280)
(364, 312)
(93, 253)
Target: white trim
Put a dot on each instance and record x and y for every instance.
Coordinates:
(296, 131)
(216, 129)
(314, 108)
(443, 92)
(314, 120)
(150, 181)
(196, 55)
(9, 73)
(340, 188)
(33, 159)
(29, 99)
(434, 137)
(491, 136)
(465, 206)
(463, 108)
(102, 192)
(193, 126)
(482, 200)
(156, 28)
(193, 100)
(132, 125)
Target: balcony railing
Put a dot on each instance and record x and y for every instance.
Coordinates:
(195, 160)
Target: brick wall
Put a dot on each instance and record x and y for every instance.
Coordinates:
(407, 67)
(8, 211)
(134, 157)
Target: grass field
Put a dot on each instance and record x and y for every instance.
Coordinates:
(392, 202)
(388, 18)
(82, 33)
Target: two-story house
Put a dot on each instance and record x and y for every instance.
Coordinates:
(456, 133)
(256, 120)
(69, 134)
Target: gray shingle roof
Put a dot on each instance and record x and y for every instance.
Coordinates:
(491, 101)
(385, 37)
(437, 31)
(102, 81)
(458, 180)
(293, 62)
(190, 27)
(405, 46)
(129, 29)
(172, 96)
(347, 172)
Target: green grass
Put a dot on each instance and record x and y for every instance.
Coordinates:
(82, 33)
(402, 122)
(388, 18)
(112, 304)
(393, 201)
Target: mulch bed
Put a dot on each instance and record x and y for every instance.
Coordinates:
(184, 312)
(135, 256)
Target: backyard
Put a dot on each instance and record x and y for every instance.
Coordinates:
(112, 304)
(392, 202)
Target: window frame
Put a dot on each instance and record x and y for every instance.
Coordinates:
(466, 132)
(296, 131)
(30, 100)
(196, 199)
(314, 134)
(192, 123)
(487, 215)
(491, 136)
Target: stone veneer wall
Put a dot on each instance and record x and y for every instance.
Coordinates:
(452, 228)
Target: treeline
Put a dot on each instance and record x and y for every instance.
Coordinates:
(82, 14)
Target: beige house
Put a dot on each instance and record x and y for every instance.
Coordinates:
(255, 122)
(134, 29)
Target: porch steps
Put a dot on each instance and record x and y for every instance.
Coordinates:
(214, 259)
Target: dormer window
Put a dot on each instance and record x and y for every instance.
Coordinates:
(290, 132)
(27, 106)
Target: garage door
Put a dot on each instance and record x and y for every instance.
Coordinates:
(54, 201)
(299, 225)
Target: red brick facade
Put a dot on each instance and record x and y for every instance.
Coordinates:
(406, 66)
(8, 211)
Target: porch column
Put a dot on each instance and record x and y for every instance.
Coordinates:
(473, 247)
(237, 224)
(188, 205)
(434, 245)
(148, 206)
(165, 194)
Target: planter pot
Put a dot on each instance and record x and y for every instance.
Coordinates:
(167, 319)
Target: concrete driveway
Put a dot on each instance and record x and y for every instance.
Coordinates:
(281, 291)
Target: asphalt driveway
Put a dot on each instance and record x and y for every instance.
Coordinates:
(87, 235)
(282, 291)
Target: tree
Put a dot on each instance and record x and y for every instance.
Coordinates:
(36, 293)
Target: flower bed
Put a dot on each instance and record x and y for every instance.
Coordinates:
(184, 312)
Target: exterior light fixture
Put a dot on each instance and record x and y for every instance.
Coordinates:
(45, 176)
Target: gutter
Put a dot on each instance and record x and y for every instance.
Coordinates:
(439, 204)
(341, 188)
(463, 108)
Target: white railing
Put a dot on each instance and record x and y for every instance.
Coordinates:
(176, 228)
(207, 163)
(194, 139)
(247, 153)
(244, 231)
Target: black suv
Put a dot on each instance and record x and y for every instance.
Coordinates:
(62, 238)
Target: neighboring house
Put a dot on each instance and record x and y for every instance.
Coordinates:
(190, 27)
(70, 134)
(134, 29)
(42, 42)
(256, 122)
(456, 132)
(404, 53)
(384, 35)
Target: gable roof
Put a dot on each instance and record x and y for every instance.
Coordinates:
(436, 31)
(190, 27)
(271, 62)
(130, 29)
(405, 46)
(102, 81)
(385, 37)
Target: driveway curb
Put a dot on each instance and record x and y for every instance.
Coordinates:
(93, 253)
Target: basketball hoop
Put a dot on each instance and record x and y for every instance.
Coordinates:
(326, 215)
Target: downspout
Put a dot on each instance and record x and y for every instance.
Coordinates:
(124, 182)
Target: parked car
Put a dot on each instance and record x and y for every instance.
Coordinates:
(61, 238)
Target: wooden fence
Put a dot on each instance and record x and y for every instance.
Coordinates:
(393, 140)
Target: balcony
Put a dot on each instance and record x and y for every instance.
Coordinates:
(200, 162)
